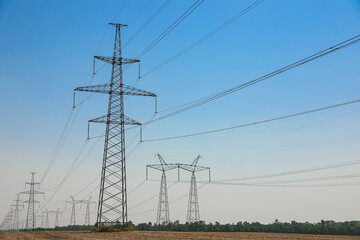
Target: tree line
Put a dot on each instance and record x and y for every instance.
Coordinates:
(322, 227)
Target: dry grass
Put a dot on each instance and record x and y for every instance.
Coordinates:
(82, 235)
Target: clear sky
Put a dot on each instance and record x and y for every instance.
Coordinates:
(47, 49)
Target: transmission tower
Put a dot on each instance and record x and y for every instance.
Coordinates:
(17, 205)
(30, 218)
(163, 216)
(11, 219)
(193, 213)
(47, 212)
(57, 212)
(73, 213)
(112, 205)
(8, 221)
(87, 214)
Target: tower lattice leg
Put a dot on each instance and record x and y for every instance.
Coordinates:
(163, 216)
(193, 214)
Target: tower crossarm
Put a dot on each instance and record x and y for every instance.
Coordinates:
(117, 60)
(162, 167)
(106, 88)
(115, 119)
(128, 90)
(191, 168)
(101, 88)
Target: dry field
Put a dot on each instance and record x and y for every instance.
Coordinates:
(82, 235)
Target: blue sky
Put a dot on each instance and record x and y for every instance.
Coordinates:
(47, 49)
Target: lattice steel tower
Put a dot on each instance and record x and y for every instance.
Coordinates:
(163, 215)
(193, 213)
(73, 203)
(30, 218)
(112, 205)
(87, 213)
(17, 205)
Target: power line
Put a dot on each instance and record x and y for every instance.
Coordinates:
(291, 186)
(269, 136)
(228, 22)
(170, 28)
(316, 179)
(215, 96)
(146, 23)
(286, 173)
(141, 12)
(68, 173)
(258, 122)
(122, 8)
(171, 202)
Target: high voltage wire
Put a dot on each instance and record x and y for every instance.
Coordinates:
(269, 136)
(170, 28)
(210, 98)
(269, 184)
(210, 34)
(293, 148)
(74, 167)
(256, 123)
(299, 171)
(68, 173)
(171, 202)
(146, 23)
(121, 9)
(150, 198)
(58, 144)
(316, 179)
(291, 186)
(141, 12)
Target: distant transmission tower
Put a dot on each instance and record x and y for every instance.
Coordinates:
(46, 219)
(112, 205)
(73, 202)
(30, 218)
(17, 205)
(57, 212)
(87, 213)
(193, 213)
(73, 209)
(163, 216)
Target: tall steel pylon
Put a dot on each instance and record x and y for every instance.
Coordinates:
(87, 213)
(73, 203)
(47, 212)
(163, 215)
(47, 221)
(31, 218)
(17, 205)
(193, 212)
(112, 205)
(57, 212)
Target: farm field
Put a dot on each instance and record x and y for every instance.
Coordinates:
(80, 235)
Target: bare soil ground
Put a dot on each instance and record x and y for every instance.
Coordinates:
(82, 235)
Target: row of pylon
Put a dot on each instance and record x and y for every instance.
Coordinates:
(163, 212)
(12, 220)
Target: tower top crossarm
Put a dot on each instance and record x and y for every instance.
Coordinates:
(193, 167)
(163, 166)
(118, 24)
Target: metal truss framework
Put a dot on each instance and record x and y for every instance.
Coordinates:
(31, 218)
(163, 215)
(112, 205)
(193, 213)
(17, 205)
(56, 213)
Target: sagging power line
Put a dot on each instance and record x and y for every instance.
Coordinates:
(258, 122)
